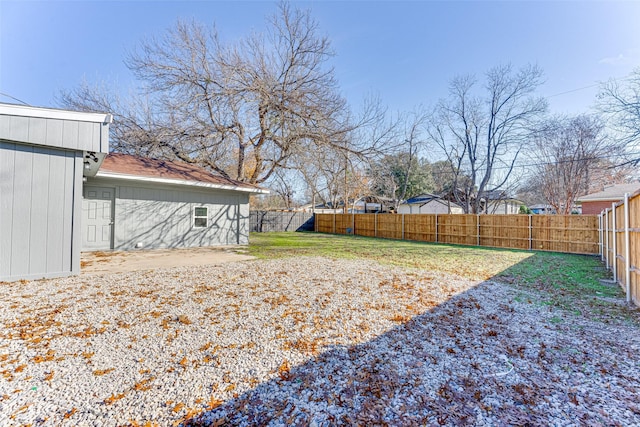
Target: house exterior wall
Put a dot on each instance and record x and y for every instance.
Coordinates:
(40, 190)
(503, 207)
(596, 207)
(62, 129)
(432, 207)
(162, 216)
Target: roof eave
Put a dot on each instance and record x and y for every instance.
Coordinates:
(601, 199)
(52, 113)
(198, 184)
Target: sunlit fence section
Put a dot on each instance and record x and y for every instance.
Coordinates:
(559, 233)
(620, 240)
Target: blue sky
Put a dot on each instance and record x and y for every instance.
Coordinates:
(405, 52)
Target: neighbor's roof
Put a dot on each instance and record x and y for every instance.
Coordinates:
(425, 198)
(422, 198)
(126, 166)
(612, 193)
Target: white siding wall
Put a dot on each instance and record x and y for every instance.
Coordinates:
(432, 207)
(40, 189)
(161, 216)
(68, 134)
(503, 207)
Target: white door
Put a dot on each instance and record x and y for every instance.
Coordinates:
(97, 218)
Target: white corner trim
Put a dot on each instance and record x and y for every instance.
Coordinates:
(51, 113)
(172, 181)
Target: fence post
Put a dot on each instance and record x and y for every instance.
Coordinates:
(436, 228)
(606, 237)
(627, 256)
(375, 225)
(600, 245)
(353, 221)
(614, 228)
(334, 222)
(478, 229)
(402, 226)
(530, 231)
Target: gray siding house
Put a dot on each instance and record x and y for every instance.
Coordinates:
(61, 193)
(134, 202)
(44, 154)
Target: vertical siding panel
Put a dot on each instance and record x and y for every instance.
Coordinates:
(37, 131)
(103, 141)
(70, 135)
(39, 209)
(76, 209)
(177, 212)
(59, 133)
(55, 213)
(244, 219)
(21, 210)
(67, 200)
(19, 128)
(130, 215)
(7, 175)
(85, 136)
(5, 125)
(118, 217)
(54, 132)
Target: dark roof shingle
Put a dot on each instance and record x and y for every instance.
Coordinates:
(127, 164)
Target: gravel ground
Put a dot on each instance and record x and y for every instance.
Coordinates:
(306, 341)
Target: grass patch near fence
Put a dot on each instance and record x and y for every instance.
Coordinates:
(472, 262)
(568, 281)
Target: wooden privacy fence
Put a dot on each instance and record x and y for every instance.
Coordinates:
(558, 233)
(266, 221)
(620, 244)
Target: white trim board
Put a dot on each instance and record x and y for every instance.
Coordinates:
(51, 113)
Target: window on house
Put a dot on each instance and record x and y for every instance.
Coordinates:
(200, 216)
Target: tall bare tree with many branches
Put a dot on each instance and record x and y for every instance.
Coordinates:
(620, 102)
(243, 109)
(569, 153)
(481, 135)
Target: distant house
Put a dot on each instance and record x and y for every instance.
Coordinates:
(429, 204)
(595, 203)
(373, 204)
(366, 204)
(498, 203)
(135, 202)
(542, 209)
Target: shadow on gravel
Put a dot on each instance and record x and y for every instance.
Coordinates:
(480, 358)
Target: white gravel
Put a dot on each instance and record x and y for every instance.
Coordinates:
(306, 341)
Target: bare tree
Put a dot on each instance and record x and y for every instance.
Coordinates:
(283, 184)
(323, 171)
(413, 143)
(570, 155)
(620, 103)
(243, 110)
(403, 171)
(480, 135)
